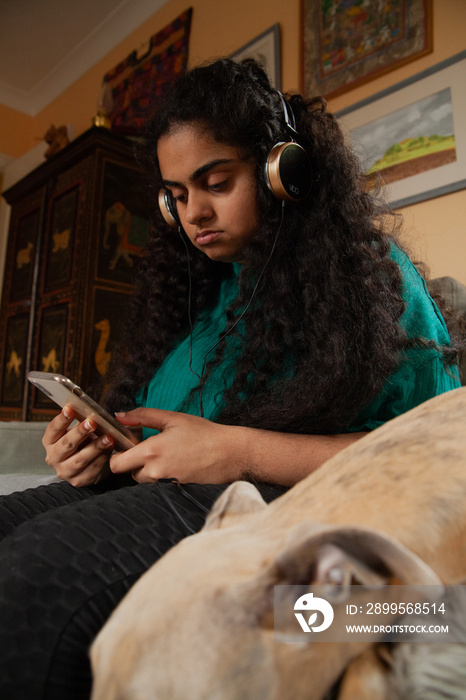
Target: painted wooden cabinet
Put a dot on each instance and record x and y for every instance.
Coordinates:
(78, 225)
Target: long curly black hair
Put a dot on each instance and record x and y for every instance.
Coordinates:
(330, 301)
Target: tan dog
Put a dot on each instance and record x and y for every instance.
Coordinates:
(199, 624)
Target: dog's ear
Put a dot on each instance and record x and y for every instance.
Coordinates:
(342, 556)
(338, 558)
(239, 500)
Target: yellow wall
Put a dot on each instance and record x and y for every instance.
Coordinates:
(436, 229)
(16, 132)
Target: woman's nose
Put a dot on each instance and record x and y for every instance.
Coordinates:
(198, 208)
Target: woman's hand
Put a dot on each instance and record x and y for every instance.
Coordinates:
(188, 448)
(193, 449)
(77, 454)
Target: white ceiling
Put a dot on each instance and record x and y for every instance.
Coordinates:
(45, 45)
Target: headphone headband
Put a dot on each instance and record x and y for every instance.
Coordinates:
(287, 111)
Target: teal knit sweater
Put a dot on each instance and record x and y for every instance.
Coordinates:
(421, 373)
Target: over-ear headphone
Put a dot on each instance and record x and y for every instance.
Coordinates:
(288, 172)
(168, 208)
(288, 169)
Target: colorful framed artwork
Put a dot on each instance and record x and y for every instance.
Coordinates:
(414, 134)
(130, 87)
(124, 226)
(346, 43)
(15, 360)
(25, 256)
(266, 50)
(53, 326)
(60, 239)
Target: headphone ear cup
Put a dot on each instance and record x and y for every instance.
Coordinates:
(168, 208)
(288, 171)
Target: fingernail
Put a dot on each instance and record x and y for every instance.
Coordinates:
(66, 413)
(88, 425)
(107, 441)
(120, 414)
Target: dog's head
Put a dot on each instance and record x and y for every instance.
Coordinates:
(200, 623)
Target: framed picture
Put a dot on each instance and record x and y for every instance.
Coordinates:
(414, 133)
(134, 83)
(347, 43)
(266, 50)
(60, 239)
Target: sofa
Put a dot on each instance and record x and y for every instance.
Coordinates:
(22, 462)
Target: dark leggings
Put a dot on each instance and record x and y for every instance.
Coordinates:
(67, 558)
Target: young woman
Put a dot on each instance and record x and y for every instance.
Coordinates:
(270, 328)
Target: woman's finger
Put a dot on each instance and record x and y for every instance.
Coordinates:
(58, 426)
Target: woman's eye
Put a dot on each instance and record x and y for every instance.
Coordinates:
(219, 186)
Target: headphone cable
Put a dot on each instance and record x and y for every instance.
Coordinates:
(179, 486)
(240, 317)
(190, 319)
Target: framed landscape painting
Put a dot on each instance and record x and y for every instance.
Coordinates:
(413, 135)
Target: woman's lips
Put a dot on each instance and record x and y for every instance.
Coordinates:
(206, 237)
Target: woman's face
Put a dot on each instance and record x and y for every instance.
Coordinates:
(215, 191)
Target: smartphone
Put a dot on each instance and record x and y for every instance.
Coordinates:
(65, 392)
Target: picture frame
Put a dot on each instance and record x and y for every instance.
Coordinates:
(422, 106)
(345, 45)
(266, 50)
(141, 78)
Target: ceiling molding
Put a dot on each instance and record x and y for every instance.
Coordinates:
(126, 18)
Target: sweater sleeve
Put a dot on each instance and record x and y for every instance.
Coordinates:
(409, 387)
(422, 372)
